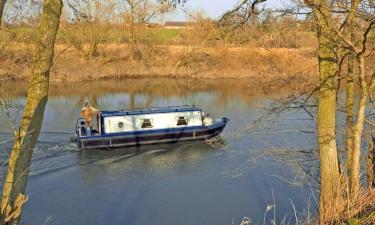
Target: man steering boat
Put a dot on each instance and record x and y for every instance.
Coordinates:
(87, 113)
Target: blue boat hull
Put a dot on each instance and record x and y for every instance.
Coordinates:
(152, 137)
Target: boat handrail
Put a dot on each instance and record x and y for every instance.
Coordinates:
(156, 108)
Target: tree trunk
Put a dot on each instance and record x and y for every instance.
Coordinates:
(326, 117)
(371, 163)
(94, 41)
(349, 112)
(132, 100)
(354, 176)
(20, 158)
(131, 23)
(2, 6)
(350, 92)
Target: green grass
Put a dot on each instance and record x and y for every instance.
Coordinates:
(111, 34)
(165, 35)
(358, 221)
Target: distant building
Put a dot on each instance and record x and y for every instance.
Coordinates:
(178, 24)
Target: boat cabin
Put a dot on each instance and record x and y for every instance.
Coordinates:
(139, 120)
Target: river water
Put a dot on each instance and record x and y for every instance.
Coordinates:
(190, 183)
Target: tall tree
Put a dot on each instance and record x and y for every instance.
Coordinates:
(326, 114)
(143, 11)
(357, 43)
(332, 35)
(350, 87)
(20, 158)
(2, 7)
(365, 88)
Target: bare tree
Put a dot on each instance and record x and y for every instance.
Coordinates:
(350, 88)
(357, 43)
(244, 12)
(23, 12)
(326, 114)
(15, 182)
(146, 10)
(233, 21)
(142, 12)
(2, 6)
(92, 19)
(342, 30)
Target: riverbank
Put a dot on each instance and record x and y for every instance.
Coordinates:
(142, 61)
(168, 87)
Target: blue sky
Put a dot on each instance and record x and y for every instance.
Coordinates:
(214, 8)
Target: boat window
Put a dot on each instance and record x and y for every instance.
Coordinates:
(120, 124)
(181, 121)
(147, 123)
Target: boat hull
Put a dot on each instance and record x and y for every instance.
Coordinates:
(153, 137)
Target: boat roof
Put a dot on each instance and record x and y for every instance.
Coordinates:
(141, 111)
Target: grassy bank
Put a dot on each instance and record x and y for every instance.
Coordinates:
(98, 51)
(118, 61)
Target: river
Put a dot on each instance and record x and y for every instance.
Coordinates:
(190, 183)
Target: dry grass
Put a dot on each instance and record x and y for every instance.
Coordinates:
(357, 210)
(354, 210)
(123, 61)
(202, 51)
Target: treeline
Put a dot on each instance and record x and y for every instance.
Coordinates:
(286, 32)
(97, 22)
(109, 43)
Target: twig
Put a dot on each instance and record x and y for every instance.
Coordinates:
(58, 55)
(11, 123)
(295, 212)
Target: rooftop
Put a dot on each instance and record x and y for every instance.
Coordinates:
(140, 111)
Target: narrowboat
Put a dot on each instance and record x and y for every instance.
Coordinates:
(123, 128)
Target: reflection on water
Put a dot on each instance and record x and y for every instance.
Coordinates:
(183, 183)
(157, 160)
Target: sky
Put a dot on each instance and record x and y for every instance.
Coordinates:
(213, 8)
